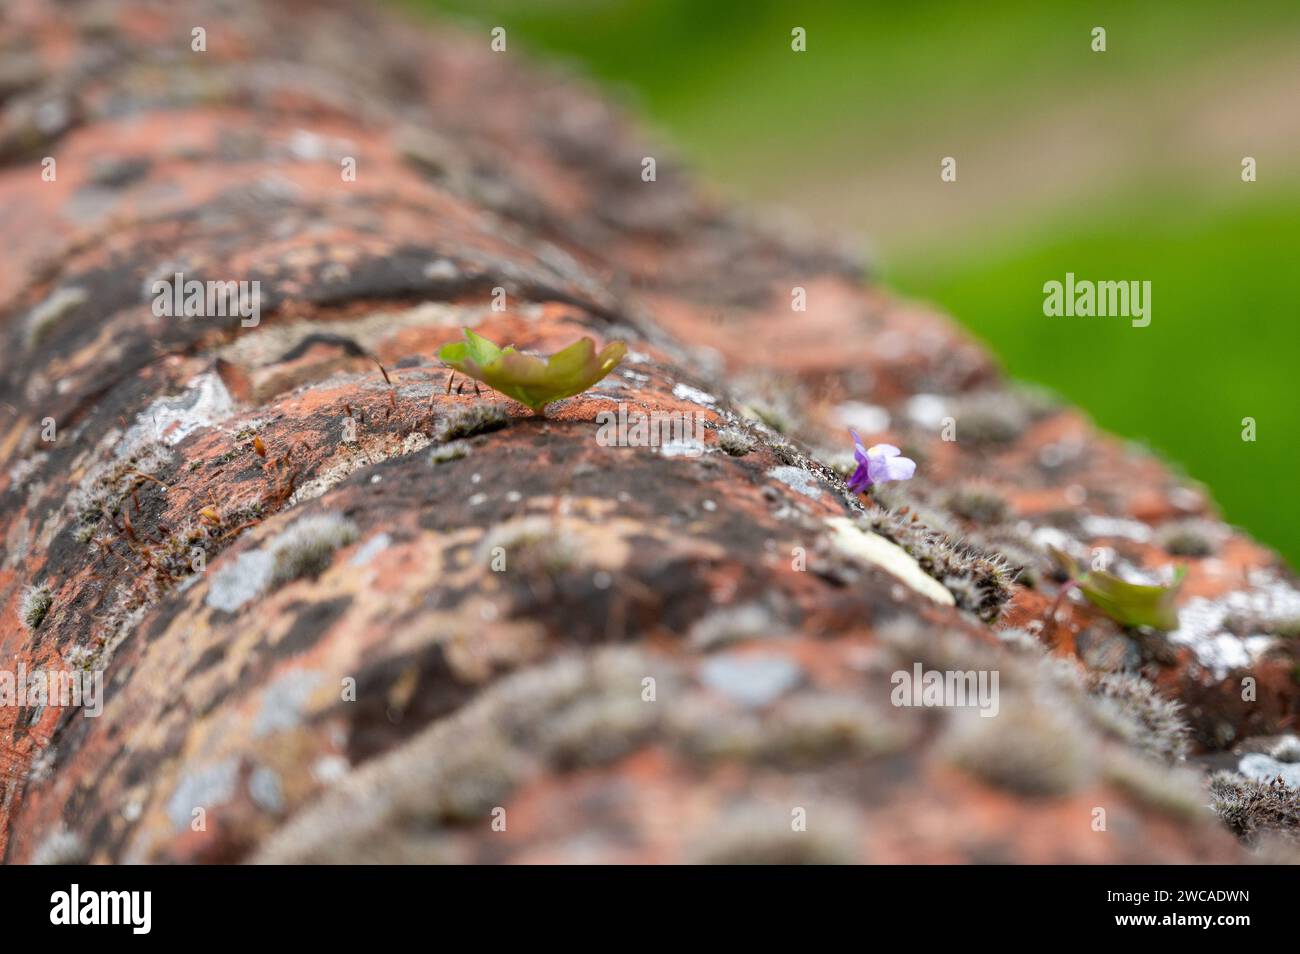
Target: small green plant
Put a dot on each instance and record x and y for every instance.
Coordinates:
(531, 380)
(1129, 604)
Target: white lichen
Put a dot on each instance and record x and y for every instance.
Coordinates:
(42, 319)
(36, 604)
(1203, 624)
(1286, 749)
(60, 847)
(1032, 748)
(735, 441)
(448, 452)
(797, 479)
(205, 402)
(236, 582)
(684, 392)
(306, 548)
(472, 419)
(385, 448)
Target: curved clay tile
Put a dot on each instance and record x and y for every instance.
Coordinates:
(346, 614)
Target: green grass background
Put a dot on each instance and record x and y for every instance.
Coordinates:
(885, 89)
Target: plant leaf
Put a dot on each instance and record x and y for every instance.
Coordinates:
(1130, 604)
(530, 380)
(474, 348)
(1134, 604)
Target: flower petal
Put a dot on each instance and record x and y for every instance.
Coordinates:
(878, 464)
(884, 469)
(861, 478)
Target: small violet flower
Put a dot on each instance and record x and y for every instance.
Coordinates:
(878, 464)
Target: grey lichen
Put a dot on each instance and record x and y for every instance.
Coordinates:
(992, 417)
(36, 603)
(761, 834)
(1287, 627)
(786, 453)
(472, 779)
(208, 784)
(912, 501)
(176, 555)
(48, 314)
(911, 639)
(773, 417)
(798, 479)
(1190, 538)
(265, 789)
(1178, 793)
(1130, 708)
(751, 679)
(1021, 641)
(703, 729)
(536, 547)
(733, 624)
(977, 503)
(449, 452)
(735, 441)
(106, 487)
(237, 581)
(471, 419)
(981, 582)
(1253, 809)
(1029, 747)
(61, 847)
(526, 698)
(574, 711)
(773, 400)
(1265, 768)
(965, 590)
(1026, 559)
(1286, 749)
(1250, 622)
(814, 728)
(599, 730)
(306, 548)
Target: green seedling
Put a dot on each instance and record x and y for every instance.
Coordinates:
(531, 380)
(1129, 604)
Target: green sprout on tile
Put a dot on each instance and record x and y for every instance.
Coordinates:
(1129, 604)
(531, 380)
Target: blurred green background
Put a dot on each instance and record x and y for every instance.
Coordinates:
(1117, 165)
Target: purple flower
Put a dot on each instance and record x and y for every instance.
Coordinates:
(878, 464)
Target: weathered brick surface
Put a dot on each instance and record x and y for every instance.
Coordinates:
(719, 576)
